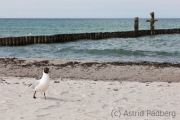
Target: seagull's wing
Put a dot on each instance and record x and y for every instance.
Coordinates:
(36, 83)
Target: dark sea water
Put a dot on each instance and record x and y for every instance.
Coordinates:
(157, 48)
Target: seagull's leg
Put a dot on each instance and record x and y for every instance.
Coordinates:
(44, 95)
(34, 95)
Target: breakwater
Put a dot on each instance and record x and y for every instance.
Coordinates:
(26, 40)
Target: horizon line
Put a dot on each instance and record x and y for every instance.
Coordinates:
(77, 18)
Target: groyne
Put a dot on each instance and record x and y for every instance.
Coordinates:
(26, 40)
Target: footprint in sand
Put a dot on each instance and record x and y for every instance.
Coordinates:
(66, 92)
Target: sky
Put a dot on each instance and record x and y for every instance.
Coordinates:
(89, 8)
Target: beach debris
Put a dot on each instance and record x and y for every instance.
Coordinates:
(169, 81)
(2, 79)
(56, 81)
(115, 89)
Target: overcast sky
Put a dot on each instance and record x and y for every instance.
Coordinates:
(89, 8)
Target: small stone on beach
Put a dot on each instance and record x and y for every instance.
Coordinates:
(115, 89)
(56, 81)
(2, 79)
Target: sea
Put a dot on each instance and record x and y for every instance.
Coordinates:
(154, 48)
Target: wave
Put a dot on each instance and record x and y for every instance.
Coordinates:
(117, 52)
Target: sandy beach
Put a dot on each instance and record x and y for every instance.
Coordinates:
(90, 90)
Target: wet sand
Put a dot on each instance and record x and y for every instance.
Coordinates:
(94, 70)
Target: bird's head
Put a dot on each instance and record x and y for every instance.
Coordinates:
(46, 70)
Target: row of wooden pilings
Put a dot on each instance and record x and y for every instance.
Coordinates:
(26, 40)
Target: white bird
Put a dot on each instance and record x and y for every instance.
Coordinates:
(42, 84)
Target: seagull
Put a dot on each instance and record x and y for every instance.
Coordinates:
(42, 84)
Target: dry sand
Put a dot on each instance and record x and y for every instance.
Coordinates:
(89, 90)
(89, 100)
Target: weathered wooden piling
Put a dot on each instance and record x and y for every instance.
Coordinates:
(152, 21)
(39, 39)
(55, 39)
(28, 40)
(17, 41)
(1, 40)
(47, 39)
(21, 41)
(60, 38)
(5, 41)
(136, 25)
(35, 39)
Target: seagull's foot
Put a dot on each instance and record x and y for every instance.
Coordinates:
(34, 97)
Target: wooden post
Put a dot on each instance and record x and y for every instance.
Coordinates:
(35, 39)
(178, 30)
(136, 25)
(58, 40)
(16, 41)
(21, 40)
(24, 41)
(54, 39)
(13, 41)
(27, 40)
(6, 41)
(43, 39)
(39, 39)
(51, 39)
(60, 37)
(1, 40)
(32, 39)
(152, 21)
